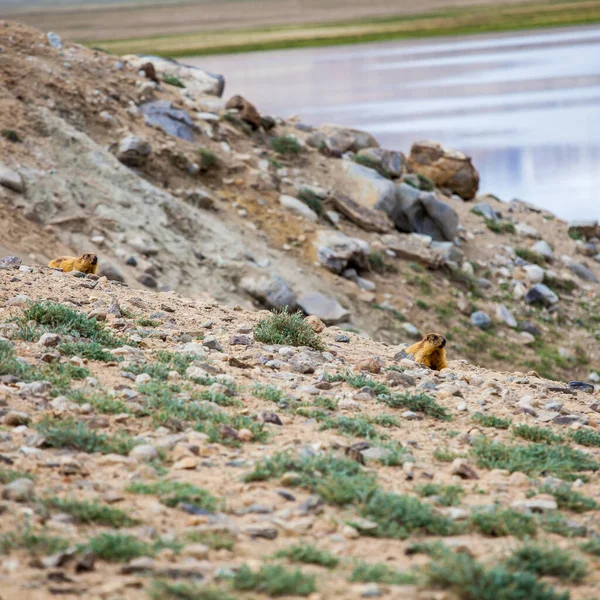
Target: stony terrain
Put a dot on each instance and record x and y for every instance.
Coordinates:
(145, 461)
(163, 438)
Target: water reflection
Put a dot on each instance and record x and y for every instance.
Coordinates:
(524, 105)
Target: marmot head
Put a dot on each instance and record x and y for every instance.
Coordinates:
(435, 339)
(89, 258)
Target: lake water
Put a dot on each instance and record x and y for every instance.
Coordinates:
(525, 106)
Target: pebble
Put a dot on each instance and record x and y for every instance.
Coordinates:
(144, 452)
(19, 490)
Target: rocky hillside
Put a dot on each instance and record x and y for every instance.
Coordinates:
(159, 447)
(175, 187)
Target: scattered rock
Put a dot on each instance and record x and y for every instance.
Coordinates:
(271, 290)
(337, 252)
(462, 468)
(174, 121)
(247, 110)
(10, 262)
(11, 180)
(481, 319)
(19, 490)
(541, 294)
(54, 40)
(298, 207)
(580, 386)
(446, 168)
(505, 315)
(366, 218)
(133, 151)
(328, 309)
(315, 323)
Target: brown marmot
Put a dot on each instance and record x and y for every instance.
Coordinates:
(86, 263)
(430, 351)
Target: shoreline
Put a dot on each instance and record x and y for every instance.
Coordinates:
(451, 22)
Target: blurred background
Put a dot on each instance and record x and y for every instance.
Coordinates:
(515, 85)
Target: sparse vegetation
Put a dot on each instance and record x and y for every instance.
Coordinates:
(532, 459)
(446, 495)
(286, 145)
(89, 350)
(536, 434)
(169, 590)
(287, 329)
(309, 554)
(470, 580)
(550, 561)
(491, 421)
(312, 201)
(11, 135)
(209, 159)
(271, 393)
(86, 512)
(37, 543)
(499, 226)
(380, 573)
(172, 493)
(118, 547)
(586, 437)
(69, 433)
(420, 403)
(566, 497)
(500, 523)
(274, 581)
(172, 80)
(531, 256)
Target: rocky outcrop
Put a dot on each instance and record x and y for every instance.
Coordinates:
(388, 162)
(445, 167)
(272, 291)
(336, 251)
(247, 111)
(366, 218)
(337, 140)
(328, 309)
(174, 121)
(195, 80)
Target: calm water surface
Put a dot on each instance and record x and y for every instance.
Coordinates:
(525, 106)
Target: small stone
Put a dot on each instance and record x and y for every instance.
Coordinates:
(245, 435)
(211, 343)
(19, 490)
(197, 551)
(49, 340)
(505, 315)
(15, 418)
(371, 590)
(144, 452)
(462, 468)
(411, 330)
(54, 40)
(370, 365)
(540, 503)
(580, 386)
(342, 338)
(241, 340)
(481, 319)
(315, 323)
(10, 262)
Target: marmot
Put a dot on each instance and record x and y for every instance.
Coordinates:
(430, 351)
(86, 263)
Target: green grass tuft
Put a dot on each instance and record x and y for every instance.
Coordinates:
(172, 80)
(209, 159)
(35, 542)
(500, 523)
(536, 434)
(420, 403)
(172, 493)
(270, 393)
(312, 201)
(286, 144)
(586, 437)
(90, 512)
(170, 590)
(592, 546)
(118, 547)
(274, 581)
(11, 135)
(287, 329)
(470, 580)
(448, 495)
(89, 350)
(380, 573)
(569, 498)
(69, 433)
(533, 459)
(531, 256)
(547, 561)
(491, 421)
(499, 226)
(309, 554)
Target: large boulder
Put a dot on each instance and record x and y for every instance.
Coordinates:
(388, 162)
(328, 309)
(338, 140)
(366, 218)
(270, 290)
(248, 112)
(366, 186)
(174, 121)
(337, 252)
(445, 167)
(413, 211)
(195, 80)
